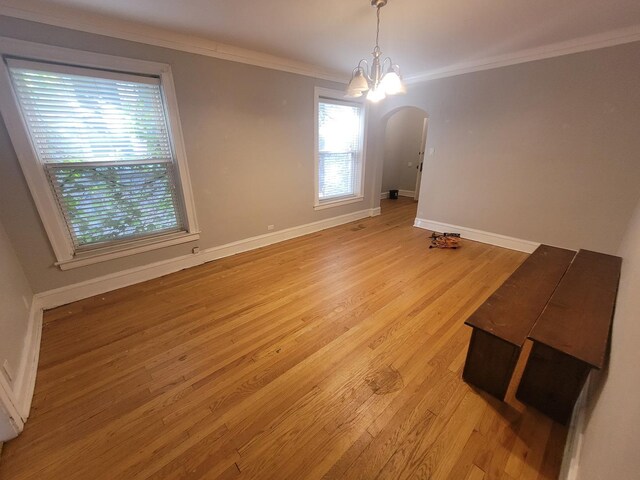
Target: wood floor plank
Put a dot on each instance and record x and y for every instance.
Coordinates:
(499, 427)
(552, 460)
(464, 466)
(524, 460)
(475, 474)
(336, 355)
(414, 411)
(441, 457)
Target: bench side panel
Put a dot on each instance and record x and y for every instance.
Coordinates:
(490, 363)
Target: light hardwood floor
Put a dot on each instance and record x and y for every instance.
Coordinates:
(336, 355)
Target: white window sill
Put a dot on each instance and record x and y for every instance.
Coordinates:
(124, 250)
(338, 202)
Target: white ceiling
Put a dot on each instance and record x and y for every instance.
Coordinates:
(420, 35)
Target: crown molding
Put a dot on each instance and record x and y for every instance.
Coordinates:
(160, 37)
(582, 44)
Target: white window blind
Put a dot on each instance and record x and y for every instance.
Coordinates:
(102, 138)
(340, 139)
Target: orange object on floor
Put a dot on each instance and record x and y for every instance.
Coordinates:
(445, 240)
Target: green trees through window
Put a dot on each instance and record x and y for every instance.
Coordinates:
(103, 140)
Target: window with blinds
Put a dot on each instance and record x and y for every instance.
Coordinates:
(340, 144)
(104, 142)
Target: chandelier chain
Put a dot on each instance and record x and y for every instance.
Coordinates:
(378, 27)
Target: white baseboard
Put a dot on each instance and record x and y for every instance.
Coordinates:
(106, 283)
(11, 423)
(575, 436)
(15, 398)
(26, 378)
(479, 235)
(401, 193)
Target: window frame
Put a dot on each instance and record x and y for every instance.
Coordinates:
(337, 96)
(53, 221)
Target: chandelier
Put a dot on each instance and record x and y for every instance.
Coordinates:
(383, 78)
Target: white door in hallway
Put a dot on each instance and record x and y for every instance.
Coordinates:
(423, 146)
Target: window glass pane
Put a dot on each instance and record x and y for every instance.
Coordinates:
(335, 174)
(340, 147)
(75, 118)
(105, 145)
(121, 201)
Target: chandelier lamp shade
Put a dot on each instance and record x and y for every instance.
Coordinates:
(382, 78)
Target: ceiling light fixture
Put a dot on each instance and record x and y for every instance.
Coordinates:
(377, 81)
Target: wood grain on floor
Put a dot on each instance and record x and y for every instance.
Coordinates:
(331, 356)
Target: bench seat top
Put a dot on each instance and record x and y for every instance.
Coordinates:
(577, 319)
(512, 310)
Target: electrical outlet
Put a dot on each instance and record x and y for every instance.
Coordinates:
(7, 370)
(270, 227)
(410, 164)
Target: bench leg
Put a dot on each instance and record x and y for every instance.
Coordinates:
(490, 363)
(552, 382)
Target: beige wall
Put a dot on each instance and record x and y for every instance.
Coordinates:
(547, 151)
(249, 140)
(402, 138)
(612, 433)
(15, 301)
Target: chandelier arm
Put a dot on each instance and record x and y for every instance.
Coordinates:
(373, 73)
(364, 70)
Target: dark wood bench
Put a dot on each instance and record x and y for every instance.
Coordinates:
(501, 324)
(572, 335)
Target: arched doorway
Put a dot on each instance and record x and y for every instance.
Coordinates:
(404, 140)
